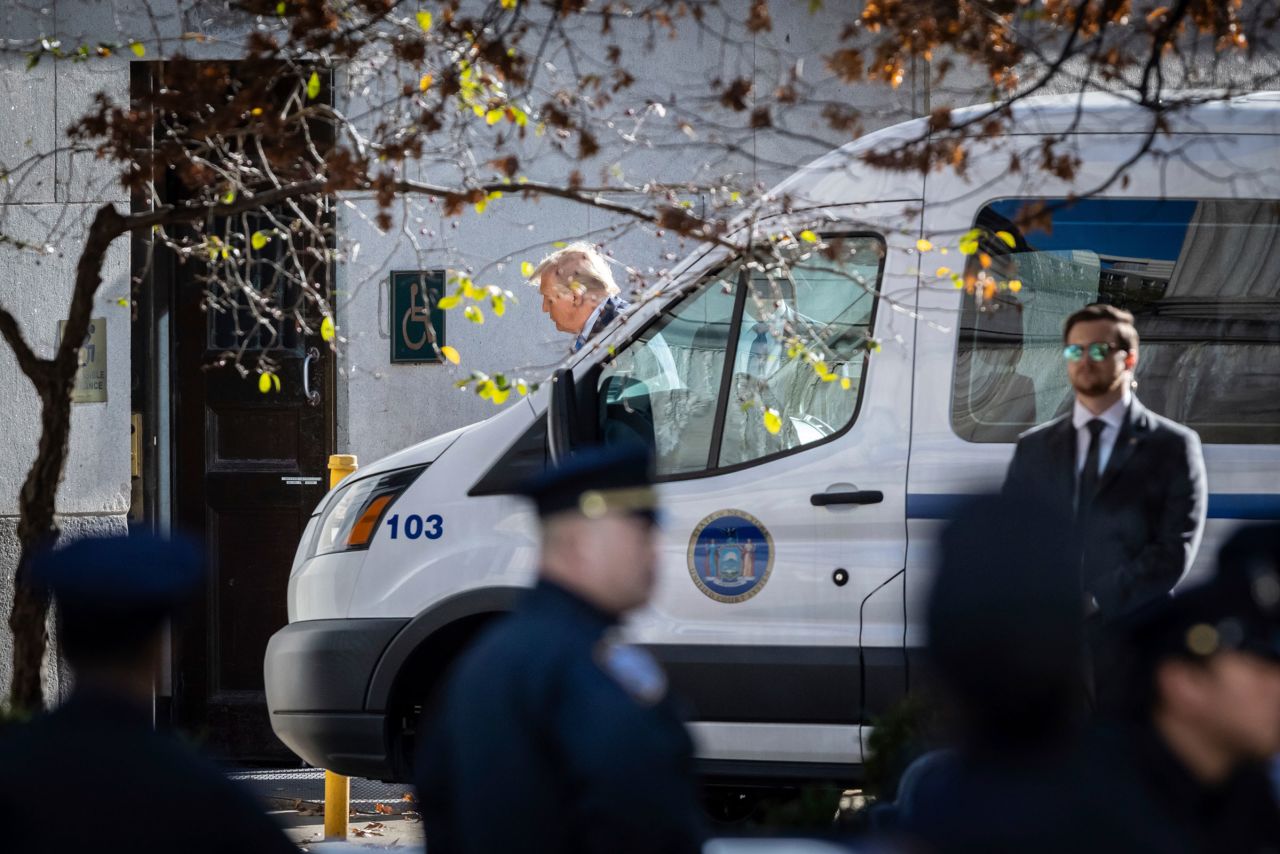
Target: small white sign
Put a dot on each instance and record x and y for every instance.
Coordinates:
(300, 481)
(91, 378)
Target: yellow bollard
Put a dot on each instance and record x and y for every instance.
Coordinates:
(341, 465)
(337, 788)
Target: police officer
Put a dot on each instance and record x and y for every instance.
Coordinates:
(94, 773)
(1005, 652)
(1187, 770)
(552, 735)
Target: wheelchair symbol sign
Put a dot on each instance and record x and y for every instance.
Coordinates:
(414, 318)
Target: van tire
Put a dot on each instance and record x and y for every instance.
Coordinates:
(420, 685)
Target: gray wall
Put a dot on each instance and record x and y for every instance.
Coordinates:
(48, 203)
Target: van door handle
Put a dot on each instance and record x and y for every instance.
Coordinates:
(862, 496)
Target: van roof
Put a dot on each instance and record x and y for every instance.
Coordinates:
(1206, 112)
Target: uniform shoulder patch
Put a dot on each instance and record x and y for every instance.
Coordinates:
(634, 669)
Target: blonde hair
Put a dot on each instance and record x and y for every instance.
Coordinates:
(579, 263)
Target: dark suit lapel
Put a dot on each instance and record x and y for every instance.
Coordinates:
(1062, 452)
(1132, 432)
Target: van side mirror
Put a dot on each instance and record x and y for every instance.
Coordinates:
(562, 415)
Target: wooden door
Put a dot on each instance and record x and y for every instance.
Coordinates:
(249, 469)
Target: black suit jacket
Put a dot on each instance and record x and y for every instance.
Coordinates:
(1144, 525)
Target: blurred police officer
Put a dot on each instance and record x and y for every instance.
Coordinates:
(1188, 770)
(1005, 644)
(552, 735)
(94, 772)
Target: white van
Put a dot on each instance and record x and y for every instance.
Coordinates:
(795, 563)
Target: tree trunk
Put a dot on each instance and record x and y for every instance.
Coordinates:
(36, 528)
(37, 525)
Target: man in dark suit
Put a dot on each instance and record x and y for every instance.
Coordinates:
(1132, 481)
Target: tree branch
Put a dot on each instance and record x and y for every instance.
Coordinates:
(32, 365)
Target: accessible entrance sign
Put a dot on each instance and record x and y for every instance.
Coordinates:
(414, 317)
(91, 376)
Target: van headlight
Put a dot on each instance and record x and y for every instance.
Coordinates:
(351, 517)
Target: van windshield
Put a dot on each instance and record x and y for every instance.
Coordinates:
(1201, 277)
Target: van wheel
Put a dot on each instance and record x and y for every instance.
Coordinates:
(420, 686)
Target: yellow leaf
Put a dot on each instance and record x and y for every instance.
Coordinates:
(500, 396)
(451, 354)
(846, 383)
(957, 281)
(424, 21)
(808, 236)
(229, 197)
(499, 305)
(471, 291)
(445, 303)
(559, 244)
(1007, 238)
(313, 84)
(326, 329)
(474, 314)
(425, 83)
(522, 387)
(968, 247)
(943, 272)
(485, 389)
(138, 50)
(821, 369)
(256, 111)
(280, 8)
(493, 117)
(123, 301)
(508, 4)
(264, 382)
(923, 245)
(259, 239)
(772, 421)
(1015, 285)
(526, 269)
(481, 205)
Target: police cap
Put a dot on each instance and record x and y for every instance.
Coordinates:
(595, 481)
(115, 592)
(1237, 608)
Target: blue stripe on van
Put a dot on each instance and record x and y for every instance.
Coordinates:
(1241, 506)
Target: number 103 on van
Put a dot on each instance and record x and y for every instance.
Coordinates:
(432, 527)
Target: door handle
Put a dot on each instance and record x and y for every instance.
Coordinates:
(861, 496)
(313, 397)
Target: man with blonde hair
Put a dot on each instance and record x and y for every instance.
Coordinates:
(578, 291)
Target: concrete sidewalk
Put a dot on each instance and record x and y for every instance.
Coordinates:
(383, 814)
(307, 831)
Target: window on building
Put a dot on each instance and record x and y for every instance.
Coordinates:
(1201, 277)
(696, 384)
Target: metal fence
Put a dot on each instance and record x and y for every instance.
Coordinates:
(302, 788)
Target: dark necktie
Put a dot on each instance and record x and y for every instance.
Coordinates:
(1088, 482)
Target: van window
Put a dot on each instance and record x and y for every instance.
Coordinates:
(697, 383)
(1201, 277)
(828, 306)
(663, 388)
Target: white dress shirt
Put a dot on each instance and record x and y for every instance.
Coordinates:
(1112, 417)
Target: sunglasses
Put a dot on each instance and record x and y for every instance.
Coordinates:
(1097, 352)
